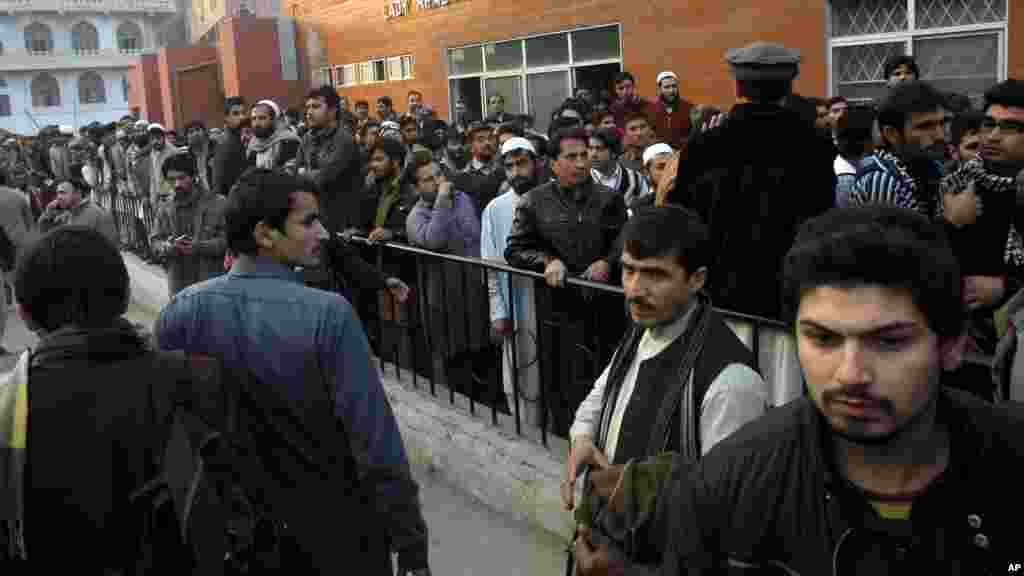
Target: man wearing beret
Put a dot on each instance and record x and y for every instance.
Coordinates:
(754, 179)
(670, 113)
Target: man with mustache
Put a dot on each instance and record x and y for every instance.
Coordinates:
(681, 381)
(906, 169)
(879, 468)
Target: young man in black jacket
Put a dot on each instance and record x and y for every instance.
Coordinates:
(880, 469)
(229, 160)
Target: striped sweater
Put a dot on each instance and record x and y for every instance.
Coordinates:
(884, 179)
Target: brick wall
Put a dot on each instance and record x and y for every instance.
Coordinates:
(184, 98)
(1015, 40)
(144, 88)
(250, 53)
(690, 38)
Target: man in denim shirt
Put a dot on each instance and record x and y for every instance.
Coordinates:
(259, 316)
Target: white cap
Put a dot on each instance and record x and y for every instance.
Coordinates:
(517, 143)
(270, 104)
(140, 124)
(655, 150)
(155, 126)
(120, 133)
(390, 125)
(66, 130)
(666, 74)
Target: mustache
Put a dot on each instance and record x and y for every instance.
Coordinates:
(638, 301)
(837, 395)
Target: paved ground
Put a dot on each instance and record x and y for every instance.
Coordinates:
(467, 538)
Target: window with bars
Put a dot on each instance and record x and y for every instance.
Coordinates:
(400, 67)
(345, 75)
(324, 77)
(958, 44)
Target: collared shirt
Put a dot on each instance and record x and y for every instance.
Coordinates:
(260, 317)
(736, 396)
(478, 166)
(612, 180)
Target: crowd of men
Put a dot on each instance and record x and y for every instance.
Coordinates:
(887, 235)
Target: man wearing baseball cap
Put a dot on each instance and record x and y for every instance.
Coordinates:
(523, 171)
(670, 112)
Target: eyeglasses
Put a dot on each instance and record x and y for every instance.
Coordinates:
(990, 124)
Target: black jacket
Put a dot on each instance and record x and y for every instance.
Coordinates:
(549, 223)
(754, 181)
(331, 160)
(82, 464)
(229, 162)
(770, 495)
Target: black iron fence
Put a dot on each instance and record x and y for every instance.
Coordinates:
(134, 217)
(560, 340)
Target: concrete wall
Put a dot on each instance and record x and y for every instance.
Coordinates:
(12, 28)
(690, 36)
(250, 53)
(185, 103)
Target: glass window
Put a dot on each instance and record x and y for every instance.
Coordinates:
(5, 105)
(547, 50)
(395, 68)
(129, 37)
(944, 13)
(547, 91)
(365, 73)
(465, 61)
(857, 17)
(3, 82)
(125, 87)
(91, 89)
(511, 90)
(407, 65)
(379, 71)
(45, 91)
(961, 64)
(38, 38)
(858, 70)
(348, 74)
(504, 56)
(467, 90)
(84, 38)
(595, 44)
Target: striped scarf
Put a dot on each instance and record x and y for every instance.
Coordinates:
(908, 194)
(13, 430)
(986, 183)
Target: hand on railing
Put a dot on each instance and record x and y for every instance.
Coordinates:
(400, 290)
(554, 273)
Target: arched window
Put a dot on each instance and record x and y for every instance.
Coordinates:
(129, 37)
(125, 87)
(45, 91)
(1, 48)
(3, 82)
(38, 38)
(85, 38)
(91, 89)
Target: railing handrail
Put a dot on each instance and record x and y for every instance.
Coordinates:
(504, 267)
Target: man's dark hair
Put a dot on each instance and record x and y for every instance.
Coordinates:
(260, 195)
(181, 161)
(623, 76)
(561, 123)
(293, 114)
(668, 231)
(513, 128)
(453, 135)
(363, 104)
(965, 123)
(1009, 93)
(328, 93)
(767, 90)
(232, 101)
(416, 92)
(555, 145)
(419, 160)
(597, 117)
(392, 148)
(72, 276)
(540, 144)
(895, 62)
(855, 131)
(878, 245)
(406, 120)
(610, 138)
(195, 124)
(386, 100)
(905, 99)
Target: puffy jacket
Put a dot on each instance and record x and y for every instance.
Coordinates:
(548, 223)
(769, 500)
(331, 160)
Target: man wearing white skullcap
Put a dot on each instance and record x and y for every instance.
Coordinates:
(670, 113)
(272, 144)
(656, 159)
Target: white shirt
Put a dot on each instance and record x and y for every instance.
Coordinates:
(736, 396)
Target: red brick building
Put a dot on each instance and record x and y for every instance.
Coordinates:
(254, 57)
(534, 52)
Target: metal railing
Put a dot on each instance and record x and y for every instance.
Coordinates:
(563, 346)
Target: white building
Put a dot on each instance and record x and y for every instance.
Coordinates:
(67, 61)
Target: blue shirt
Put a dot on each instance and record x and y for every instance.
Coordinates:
(496, 225)
(261, 317)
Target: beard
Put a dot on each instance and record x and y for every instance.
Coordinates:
(854, 435)
(262, 132)
(522, 184)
